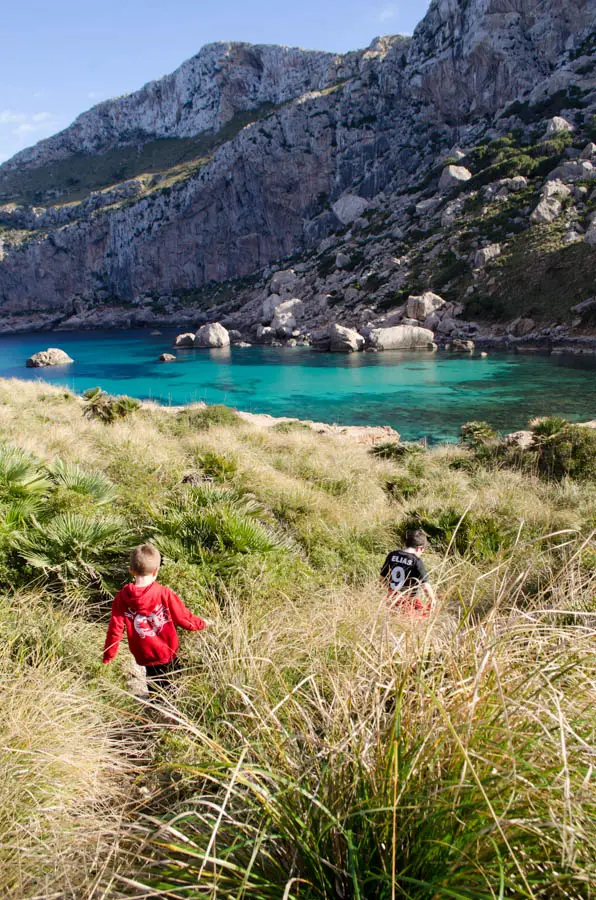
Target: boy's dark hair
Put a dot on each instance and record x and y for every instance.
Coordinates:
(145, 559)
(416, 538)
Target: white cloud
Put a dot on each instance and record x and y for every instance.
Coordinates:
(387, 13)
(8, 117)
(19, 129)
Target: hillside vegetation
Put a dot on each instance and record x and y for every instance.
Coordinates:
(316, 746)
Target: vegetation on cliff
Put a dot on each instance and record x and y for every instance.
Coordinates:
(315, 747)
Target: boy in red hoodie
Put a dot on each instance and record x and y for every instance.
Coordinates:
(150, 612)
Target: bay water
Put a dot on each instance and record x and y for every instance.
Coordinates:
(420, 394)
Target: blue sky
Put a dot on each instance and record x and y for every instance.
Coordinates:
(60, 57)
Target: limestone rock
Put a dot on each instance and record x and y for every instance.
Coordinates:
(212, 335)
(590, 236)
(555, 188)
(421, 306)
(447, 325)
(522, 326)
(557, 125)
(349, 207)
(522, 439)
(167, 357)
(285, 315)
(452, 212)
(485, 254)
(264, 334)
(344, 340)
(401, 337)
(342, 260)
(53, 356)
(589, 151)
(269, 306)
(452, 176)
(515, 185)
(459, 345)
(282, 279)
(549, 209)
(184, 340)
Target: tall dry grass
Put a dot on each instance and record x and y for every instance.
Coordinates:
(315, 746)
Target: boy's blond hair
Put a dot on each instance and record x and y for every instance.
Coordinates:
(145, 559)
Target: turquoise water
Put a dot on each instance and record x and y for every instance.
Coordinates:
(418, 394)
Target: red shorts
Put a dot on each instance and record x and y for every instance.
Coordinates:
(408, 604)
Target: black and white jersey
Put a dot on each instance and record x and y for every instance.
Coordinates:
(404, 571)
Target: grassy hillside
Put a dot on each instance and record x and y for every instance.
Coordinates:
(316, 745)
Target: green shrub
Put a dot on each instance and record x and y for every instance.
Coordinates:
(209, 524)
(290, 427)
(218, 465)
(203, 419)
(93, 486)
(477, 433)
(21, 474)
(479, 536)
(401, 487)
(395, 449)
(74, 548)
(107, 409)
(565, 450)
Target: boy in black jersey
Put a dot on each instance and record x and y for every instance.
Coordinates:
(405, 575)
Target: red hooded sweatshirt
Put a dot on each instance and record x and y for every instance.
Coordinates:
(150, 615)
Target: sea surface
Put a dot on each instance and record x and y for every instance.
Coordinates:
(420, 394)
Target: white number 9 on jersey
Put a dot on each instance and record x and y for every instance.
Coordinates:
(398, 576)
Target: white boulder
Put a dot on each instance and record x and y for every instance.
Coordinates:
(344, 340)
(423, 305)
(557, 125)
(453, 176)
(269, 305)
(184, 340)
(401, 337)
(283, 278)
(53, 356)
(589, 151)
(349, 207)
(485, 254)
(342, 260)
(550, 206)
(212, 335)
(555, 188)
(285, 315)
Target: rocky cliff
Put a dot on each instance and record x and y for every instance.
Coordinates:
(174, 203)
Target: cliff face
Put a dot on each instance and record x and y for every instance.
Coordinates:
(471, 57)
(236, 159)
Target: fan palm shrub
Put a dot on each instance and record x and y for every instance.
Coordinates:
(93, 489)
(107, 409)
(21, 474)
(76, 549)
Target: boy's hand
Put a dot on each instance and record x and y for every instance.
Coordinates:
(208, 623)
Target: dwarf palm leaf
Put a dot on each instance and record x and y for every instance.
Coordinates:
(74, 547)
(94, 485)
(215, 520)
(21, 475)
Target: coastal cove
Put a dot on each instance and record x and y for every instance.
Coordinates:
(421, 395)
